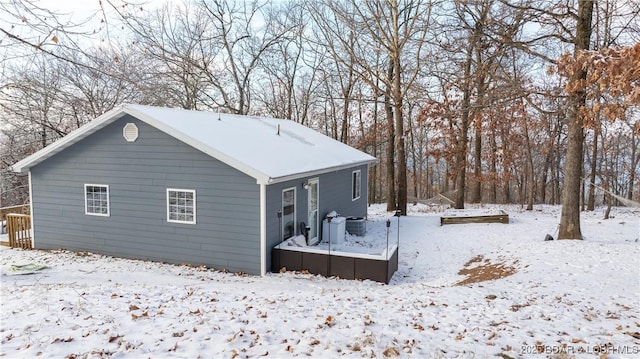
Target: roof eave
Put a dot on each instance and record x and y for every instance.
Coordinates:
(25, 164)
(273, 180)
(109, 117)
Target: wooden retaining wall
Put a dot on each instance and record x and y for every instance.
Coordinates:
(503, 217)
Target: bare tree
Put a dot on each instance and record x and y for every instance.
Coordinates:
(243, 44)
(291, 67)
(398, 29)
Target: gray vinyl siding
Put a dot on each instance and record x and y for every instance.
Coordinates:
(335, 195)
(227, 230)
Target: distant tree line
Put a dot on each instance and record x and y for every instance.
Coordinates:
(485, 100)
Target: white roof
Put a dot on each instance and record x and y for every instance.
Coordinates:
(267, 149)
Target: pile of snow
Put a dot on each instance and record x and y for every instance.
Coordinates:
(578, 297)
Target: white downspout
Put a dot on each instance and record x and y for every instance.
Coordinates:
(263, 229)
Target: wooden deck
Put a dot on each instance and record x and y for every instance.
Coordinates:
(501, 217)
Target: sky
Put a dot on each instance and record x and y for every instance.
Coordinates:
(577, 297)
(85, 16)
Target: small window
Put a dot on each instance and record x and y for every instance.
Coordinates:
(288, 213)
(181, 206)
(96, 200)
(355, 184)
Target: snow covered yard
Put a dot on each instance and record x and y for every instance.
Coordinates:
(579, 298)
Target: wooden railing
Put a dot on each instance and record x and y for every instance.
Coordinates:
(19, 230)
(23, 209)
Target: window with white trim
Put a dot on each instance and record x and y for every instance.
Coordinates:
(356, 178)
(181, 206)
(288, 212)
(96, 200)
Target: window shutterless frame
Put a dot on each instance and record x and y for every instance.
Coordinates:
(96, 200)
(288, 213)
(356, 184)
(181, 206)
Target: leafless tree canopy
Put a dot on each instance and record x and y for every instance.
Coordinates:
(469, 98)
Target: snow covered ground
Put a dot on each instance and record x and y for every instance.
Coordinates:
(563, 298)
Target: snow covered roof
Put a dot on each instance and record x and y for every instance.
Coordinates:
(267, 149)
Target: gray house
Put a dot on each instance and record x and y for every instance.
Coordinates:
(192, 187)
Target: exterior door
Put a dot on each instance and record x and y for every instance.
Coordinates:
(313, 196)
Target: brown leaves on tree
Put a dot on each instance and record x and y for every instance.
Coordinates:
(612, 74)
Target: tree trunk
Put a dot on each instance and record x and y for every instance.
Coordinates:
(447, 178)
(476, 190)
(635, 157)
(555, 173)
(583, 202)
(531, 184)
(463, 136)
(391, 176)
(548, 165)
(570, 216)
(461, 164)
(346, 103)
(607, 212)
(373, 181)
(344, 127)
(416, 177)
(401, 155)
(493, 187)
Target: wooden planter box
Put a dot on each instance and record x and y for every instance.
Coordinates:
(340, 264)
(501, 217)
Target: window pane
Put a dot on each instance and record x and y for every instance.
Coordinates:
(288, 213)
(355, 185)
(181, 206)
(97, 200)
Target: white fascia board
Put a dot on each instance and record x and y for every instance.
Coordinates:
(73, 137)
(318, 172)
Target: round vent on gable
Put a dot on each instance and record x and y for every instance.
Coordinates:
(130, 132)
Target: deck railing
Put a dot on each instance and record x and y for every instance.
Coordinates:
(19, 230)
(23, 209)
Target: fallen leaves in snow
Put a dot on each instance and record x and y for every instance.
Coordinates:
(572, 295)
(478, 269)
(633, 334)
